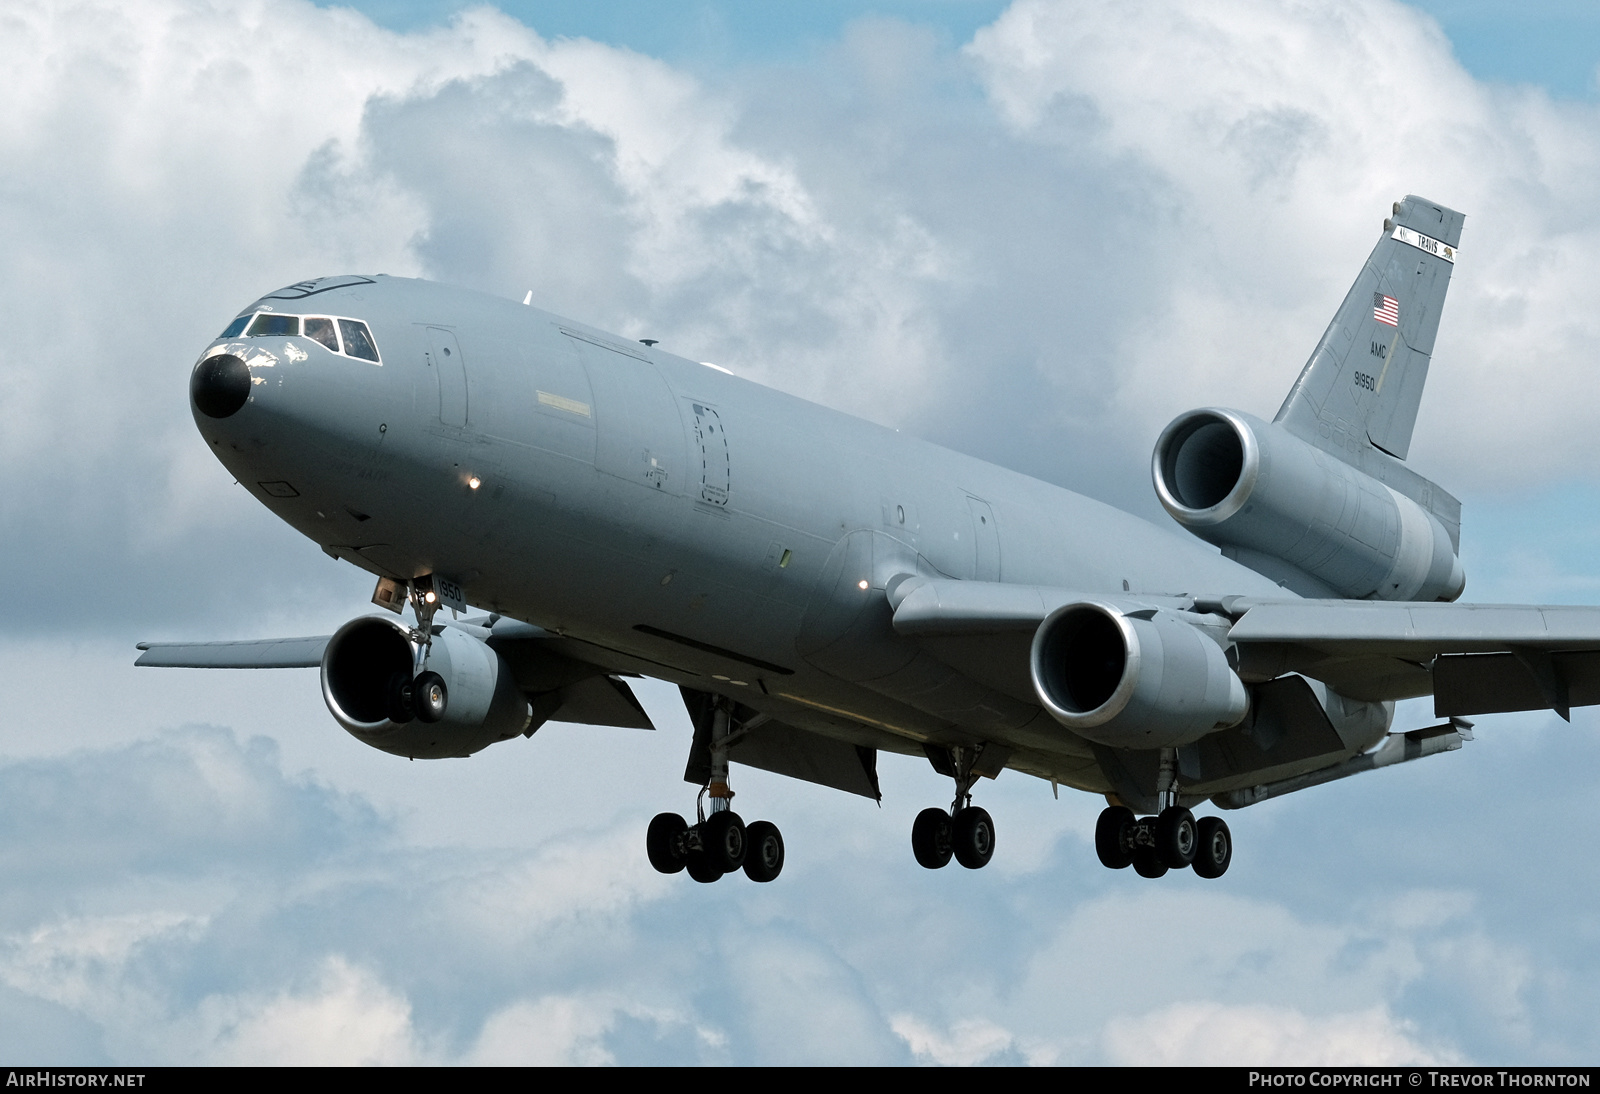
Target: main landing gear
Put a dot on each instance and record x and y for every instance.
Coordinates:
(964, 832)
(719, 842)
(716, 845)
(1171, 840)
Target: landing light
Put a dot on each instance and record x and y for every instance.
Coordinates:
(474, 482)
(862, 584)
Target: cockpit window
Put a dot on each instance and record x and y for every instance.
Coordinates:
(321, 330)
(349, 337)
(357, 342)
(269, 324)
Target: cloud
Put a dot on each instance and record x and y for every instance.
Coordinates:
(346, 1017)
(1037, 248)
(968, 1042)
(1213, 1035)
(1270, 138)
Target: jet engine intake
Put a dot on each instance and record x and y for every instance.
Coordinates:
(1262, 494)
(1146, 678)
(369, 657)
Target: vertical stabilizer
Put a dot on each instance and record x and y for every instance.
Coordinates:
(1364, 381)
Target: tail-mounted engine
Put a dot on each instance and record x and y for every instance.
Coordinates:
(462, 700)
(1145, 678)
(1267, 498)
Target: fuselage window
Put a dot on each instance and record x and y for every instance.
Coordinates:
(357, 342)
(321, 330)
(270, 325)
(235, 328)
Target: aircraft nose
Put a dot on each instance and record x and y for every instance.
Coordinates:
(220, 385)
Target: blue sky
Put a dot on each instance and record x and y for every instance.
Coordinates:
(1554, 44)
(1023, 230)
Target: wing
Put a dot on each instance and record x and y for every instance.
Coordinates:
(1473, 658)
(560, 687)
(265, 653)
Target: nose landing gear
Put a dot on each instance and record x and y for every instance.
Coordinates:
(719, 843)
(1171, 840)
(419, 692)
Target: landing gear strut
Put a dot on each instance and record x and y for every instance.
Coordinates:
(419, 693)
(1171, 840)
(719, 842)
(966, 831)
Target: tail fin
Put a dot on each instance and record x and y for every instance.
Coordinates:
(1365, 378)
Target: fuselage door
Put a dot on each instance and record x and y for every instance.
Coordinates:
(985, 541)
(450, 370)
(711, 446)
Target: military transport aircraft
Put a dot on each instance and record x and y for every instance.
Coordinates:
(822, 589)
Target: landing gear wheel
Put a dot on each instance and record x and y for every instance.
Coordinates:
(931, 838)
(1215, 847)
(723, 837)
(1176, 838)
(663, 842)
(432, 697)
(763, 857)
(702, 869)
(972, 837)
(1146, 863)
(1111, 840)
(400, 698)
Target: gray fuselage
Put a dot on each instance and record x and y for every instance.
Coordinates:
(664, 516)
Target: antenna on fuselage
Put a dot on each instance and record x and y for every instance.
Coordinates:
(528, 300)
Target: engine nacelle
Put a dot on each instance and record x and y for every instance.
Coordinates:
(1257, 489)
(483, 703)
(1145, 678)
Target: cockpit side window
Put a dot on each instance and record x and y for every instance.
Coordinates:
(270, 325)
(236, 327)
(357, 341)
(321, 330)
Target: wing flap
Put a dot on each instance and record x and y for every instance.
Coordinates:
(1493, 683)
(601, 701)
(800, 754)
(1415, 631)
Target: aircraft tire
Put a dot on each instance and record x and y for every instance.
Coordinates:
(702, 869)
(763, 857)
(723, 837)
(432, 697)
(972, 837)
(401, 696)
(930, 838)
(1147, 863)
(1110, 833)
(1214, 847)
(663, 841)
(1176, 839)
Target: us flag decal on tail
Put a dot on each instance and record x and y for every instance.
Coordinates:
(1386, 309)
